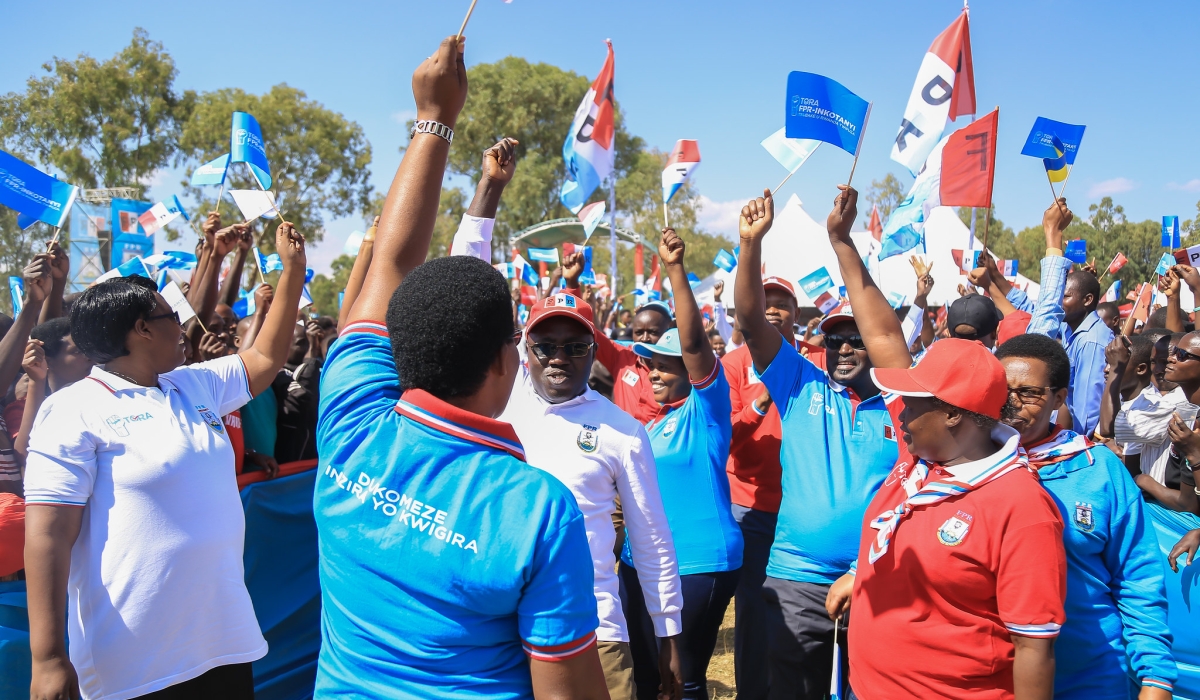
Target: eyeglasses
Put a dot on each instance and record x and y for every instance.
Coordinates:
(833, 342)
(1031, 394)
(545, 351)
(173, 314)
(1182, 355)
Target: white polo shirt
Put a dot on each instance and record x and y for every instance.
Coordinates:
(601, 453)
(157, 592)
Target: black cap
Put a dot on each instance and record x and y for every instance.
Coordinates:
(976, 311)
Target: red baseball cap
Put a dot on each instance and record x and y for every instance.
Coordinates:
(779, 283)
(561, 304)
(963, 373)
(842, 313)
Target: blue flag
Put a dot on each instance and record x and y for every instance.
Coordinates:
(211, 173)
(1040, 143)
(163, 279)
(816, 282)
(821, 109)
(725, 260)
(546, 255)
(267, 263)
(16, 290)
(246, 146)
(1076, 251)
(172, 260)
(895, 299)
(33, 193)
(1170, 232)
(1164, 264)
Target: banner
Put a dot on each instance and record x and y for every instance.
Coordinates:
(969, 163)
(246, 145)
(29, 191)
(944, 90)
(89, 224)
(823, 109)
(589, 151)
(129, 239)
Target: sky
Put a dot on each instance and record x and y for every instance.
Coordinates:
(711, 71)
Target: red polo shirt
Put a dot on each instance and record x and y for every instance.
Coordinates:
(631, 379)
(753, 465)
(935, 615)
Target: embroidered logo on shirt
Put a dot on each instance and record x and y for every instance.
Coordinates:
(588, 438)
(953, 531)
(630, 377)
(210, 417)
(669, 427)
(1083, 517)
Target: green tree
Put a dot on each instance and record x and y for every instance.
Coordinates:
(1001, 239)
(885, 194)
(320, 161)
(106, 123)
(324, 289)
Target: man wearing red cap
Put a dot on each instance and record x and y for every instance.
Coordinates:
(961, 567)
(601, 454)
(754, 470)
(839, 441)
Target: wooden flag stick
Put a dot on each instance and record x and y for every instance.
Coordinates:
(1065, 180)
(54, 240)
(666, 220)
(987, 220)
(1053, 193)
(858, 148)
(466, 19)
(789, 177)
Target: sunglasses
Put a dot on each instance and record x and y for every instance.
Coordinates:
(834, 342)
(172, 314)
(1182, 355)
(545, 351)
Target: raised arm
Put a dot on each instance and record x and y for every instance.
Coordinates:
(877, 323)
(750, 301)
(212, 223)
(60, 269)
(698, 354)
(233, 281)
(474, 235)
(1117, 356)
(1168, 284)
(37, 370)
(266, 356)
(1048, 314)
(205, 289)
(12, 348)
(411, 207)
(358, 273)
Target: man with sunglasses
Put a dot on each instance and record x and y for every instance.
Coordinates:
(600, 453)
(839, 443)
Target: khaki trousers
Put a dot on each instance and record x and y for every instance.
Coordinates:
(617, 662)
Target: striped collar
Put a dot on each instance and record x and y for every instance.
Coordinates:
(374, 327)
(432, 412)
(976, 473)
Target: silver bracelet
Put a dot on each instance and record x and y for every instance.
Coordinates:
(429, 126)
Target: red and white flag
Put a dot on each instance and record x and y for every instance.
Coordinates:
(1117, 263)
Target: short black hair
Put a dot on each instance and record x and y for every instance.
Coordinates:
(1035, 346)
(1158, 317)
(1086, 283)
(1110, 307)
(52, 333)
(1140, 349)
(448, 321)
(103, 315)
(1154, 333)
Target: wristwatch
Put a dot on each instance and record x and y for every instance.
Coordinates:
(429, 126)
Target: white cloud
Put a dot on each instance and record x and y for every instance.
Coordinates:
(403, 116)
(1117, 185)
(720, 217)
(155, 179)
(1189, 186)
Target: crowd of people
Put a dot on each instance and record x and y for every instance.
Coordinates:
(565, 505)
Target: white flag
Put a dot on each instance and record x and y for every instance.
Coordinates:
(253, 203)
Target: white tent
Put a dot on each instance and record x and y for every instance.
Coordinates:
(798, 245)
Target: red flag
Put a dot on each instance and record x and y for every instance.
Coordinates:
(654, 274)
(1141, 309)
(876, 226)
(529, 295)
(639, 266)
(1117, 263)
(969, 163)
(954, 47)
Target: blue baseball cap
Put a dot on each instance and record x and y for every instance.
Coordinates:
(668, 344)
(659, 306)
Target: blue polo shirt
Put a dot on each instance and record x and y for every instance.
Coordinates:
(445, 559)
(690, 442)
(1116, 637)
(835, 453)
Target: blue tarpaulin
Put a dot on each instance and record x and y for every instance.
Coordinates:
(281, 574)
(1183, 598)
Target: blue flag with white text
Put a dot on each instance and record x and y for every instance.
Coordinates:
(1040, 143)
(267, 263)
(1170, 232)
(246, 145)
(33, 193)
(211, 173)
(725, 260)
(822, 109)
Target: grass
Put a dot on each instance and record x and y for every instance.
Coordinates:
(721, 685)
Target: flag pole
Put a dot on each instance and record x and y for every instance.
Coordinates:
(1065, 179)
(53, 240)
(858, 148)
(987, 219)
(666, 221)
(789, 177)
(466, 19)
